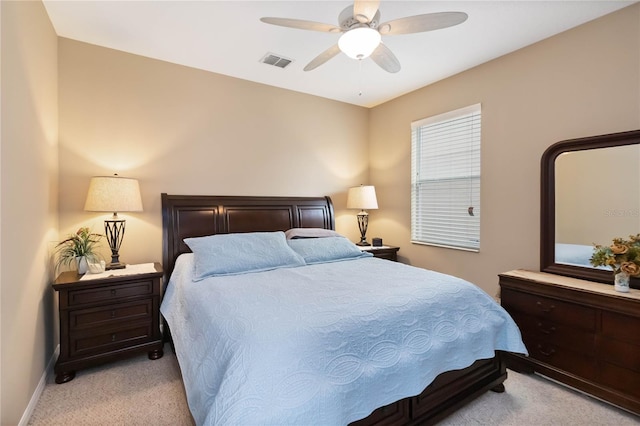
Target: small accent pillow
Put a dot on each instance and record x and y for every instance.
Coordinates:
(295, 233)
(233, 254)
(323, 250)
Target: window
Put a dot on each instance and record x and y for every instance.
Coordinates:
(445, 179)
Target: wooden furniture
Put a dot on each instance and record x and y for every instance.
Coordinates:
(384, 252)
(107, 319)
(578, 332)
(548, 201)
(194, 216)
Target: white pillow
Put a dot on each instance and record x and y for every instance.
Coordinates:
(323, 250)
(233, 254)
(294, 233)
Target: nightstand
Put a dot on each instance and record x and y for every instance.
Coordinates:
(107, 319)
(383, 252)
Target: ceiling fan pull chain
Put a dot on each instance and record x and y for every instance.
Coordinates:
(359, 77)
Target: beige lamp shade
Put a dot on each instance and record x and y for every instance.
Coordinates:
(362, 197)
(113, 194)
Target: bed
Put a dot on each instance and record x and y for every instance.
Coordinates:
(242, 365)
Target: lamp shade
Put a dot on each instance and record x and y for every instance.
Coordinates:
(359, 43)
(362, 197)
(113, 194)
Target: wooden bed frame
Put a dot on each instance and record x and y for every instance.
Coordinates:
(186, 216)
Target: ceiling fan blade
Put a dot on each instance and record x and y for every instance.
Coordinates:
(421, 23)
(322, 58)
(364, 10)
(385, 59)
(302, 24)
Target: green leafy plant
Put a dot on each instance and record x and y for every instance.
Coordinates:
(621, 256)
(82, 243)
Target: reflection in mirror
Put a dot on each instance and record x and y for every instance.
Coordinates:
(590, 193)
(597, 198)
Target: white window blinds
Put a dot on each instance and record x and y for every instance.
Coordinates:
(445, 179)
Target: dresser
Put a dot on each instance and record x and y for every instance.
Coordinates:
(107, 319)
(578, 332)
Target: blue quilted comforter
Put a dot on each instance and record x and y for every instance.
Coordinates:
(324, 344)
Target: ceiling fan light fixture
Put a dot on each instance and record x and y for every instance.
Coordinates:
(359, 43)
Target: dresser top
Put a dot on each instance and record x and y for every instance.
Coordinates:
(572, 283)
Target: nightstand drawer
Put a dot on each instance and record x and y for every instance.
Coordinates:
(106, 340)
(384, 252)
(93, 317)
(110, 293)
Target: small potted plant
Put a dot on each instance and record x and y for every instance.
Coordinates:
(623, 256)
(80, 247)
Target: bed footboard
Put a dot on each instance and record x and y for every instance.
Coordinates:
(448, 392)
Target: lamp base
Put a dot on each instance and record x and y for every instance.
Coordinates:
(363, 223)
(118, 265)
(114, 231)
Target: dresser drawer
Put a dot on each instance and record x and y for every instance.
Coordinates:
(579, 363)
(621, 379)
(99, 341)
(555, 333)
(110, 293)
(620, 326)
(550, 309)
(105, 315)
(623, 354)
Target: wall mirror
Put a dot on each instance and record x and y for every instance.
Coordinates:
(590, 193)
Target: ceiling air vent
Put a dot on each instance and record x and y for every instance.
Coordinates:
(275, 60)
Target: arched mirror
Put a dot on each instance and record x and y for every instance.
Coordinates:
(590, 193)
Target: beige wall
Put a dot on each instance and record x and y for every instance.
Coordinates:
(184, 131)
(583, 82)
(597, 195)
(29, 200)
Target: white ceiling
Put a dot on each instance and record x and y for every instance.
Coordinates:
(227, 37)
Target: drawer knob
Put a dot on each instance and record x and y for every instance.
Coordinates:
(545, 310)
(113, 292)
(546, 353)
(543, 330)
(113, 337)
(113, 313)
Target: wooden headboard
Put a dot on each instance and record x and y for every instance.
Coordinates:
(186, 216)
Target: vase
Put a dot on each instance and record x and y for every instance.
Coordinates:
(621, 282)
(81, 261)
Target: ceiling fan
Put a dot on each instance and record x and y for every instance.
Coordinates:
(362, 32)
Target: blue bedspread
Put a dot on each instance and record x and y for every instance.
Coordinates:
(324, 344)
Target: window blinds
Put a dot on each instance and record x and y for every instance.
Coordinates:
(445, 179)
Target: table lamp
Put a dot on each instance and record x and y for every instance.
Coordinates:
(362, 197)
(114, 194)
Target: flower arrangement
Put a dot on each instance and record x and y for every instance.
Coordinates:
(622, 255)
(81, 244)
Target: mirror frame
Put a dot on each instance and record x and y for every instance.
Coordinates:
(548, 204)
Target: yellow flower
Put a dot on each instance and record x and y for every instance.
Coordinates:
(618, 248)
(630, 268)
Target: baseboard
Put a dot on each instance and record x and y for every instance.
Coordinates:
(39, 389)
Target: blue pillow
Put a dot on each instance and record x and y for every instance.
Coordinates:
(233, 254)
(329, 249)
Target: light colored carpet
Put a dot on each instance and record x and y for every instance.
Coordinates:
(143, 392)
